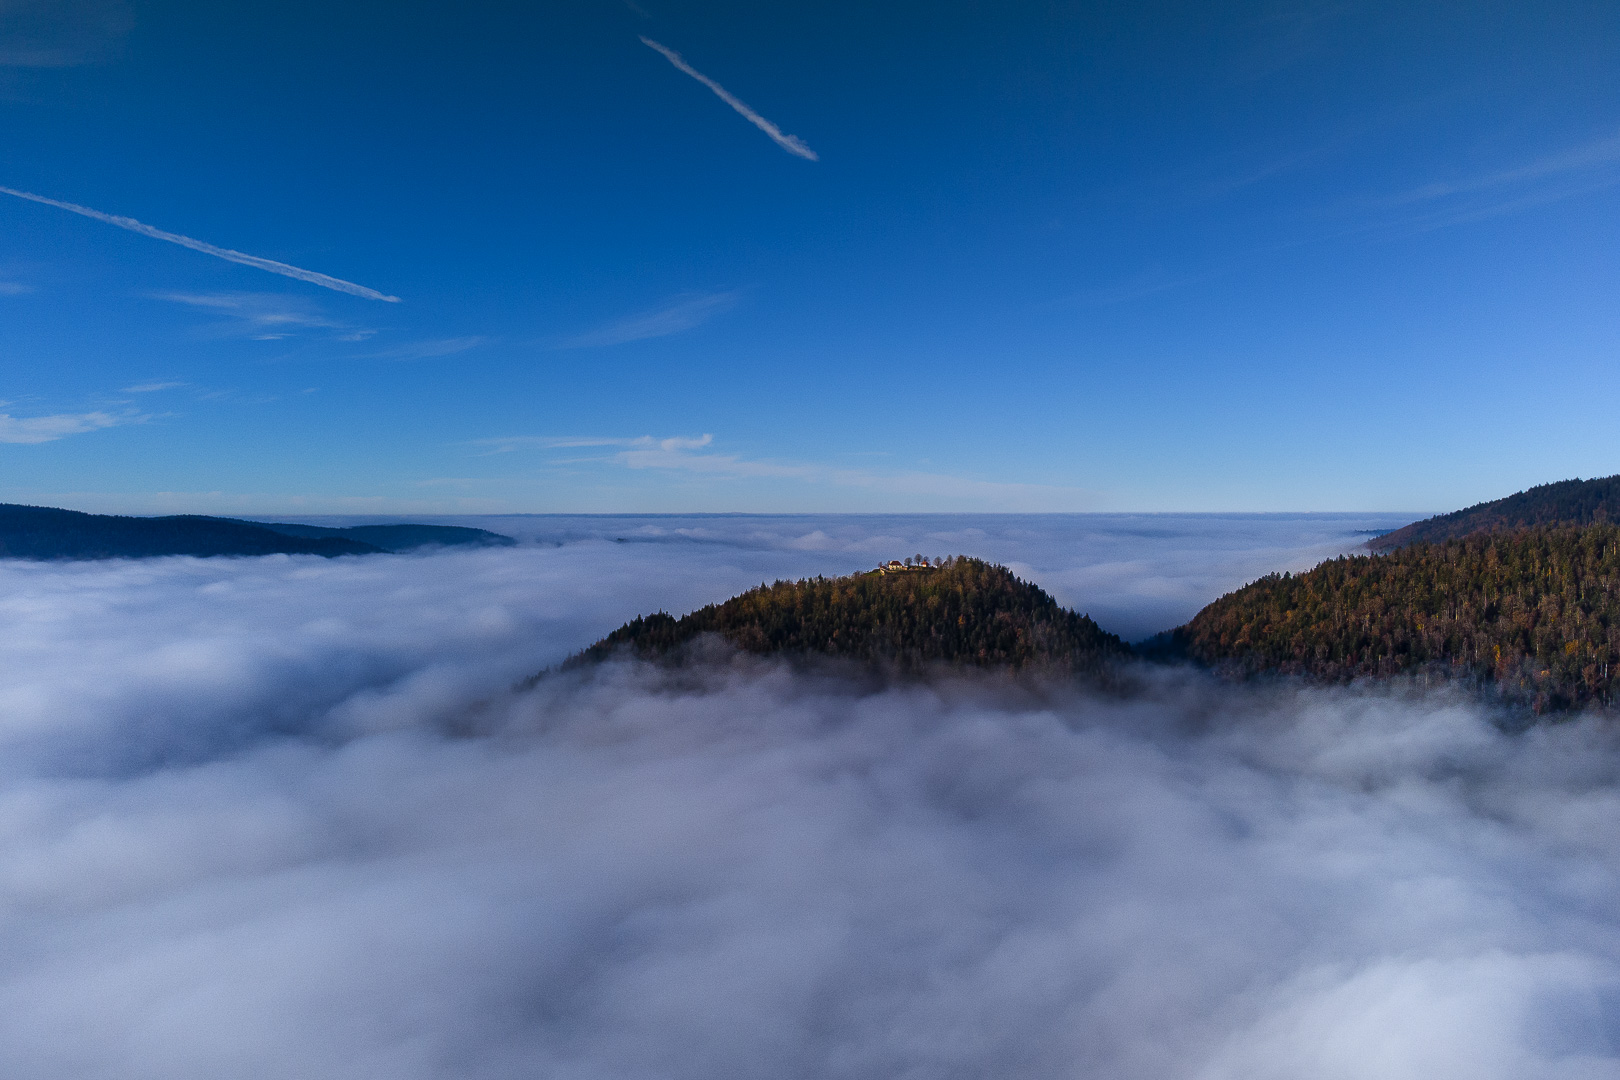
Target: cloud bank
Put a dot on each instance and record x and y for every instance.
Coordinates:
(325, 281)
(281, 817)
(792, 144)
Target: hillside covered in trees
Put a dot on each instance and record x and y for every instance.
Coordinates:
(1533, 614)
(963, 611)
(1568, 502)
(393, 537)
(44, 532)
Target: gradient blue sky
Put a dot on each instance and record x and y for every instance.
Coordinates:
(1156, 256)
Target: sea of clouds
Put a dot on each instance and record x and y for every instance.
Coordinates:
(1136, 574)
(287, 817)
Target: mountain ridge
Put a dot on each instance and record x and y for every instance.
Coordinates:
(961, 611)
(46, 533)
(1520, 596)
(1563, 502)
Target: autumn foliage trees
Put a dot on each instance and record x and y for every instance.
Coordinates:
(1567, 502)
(1529, 613)
(965, 611)
(1533, 614)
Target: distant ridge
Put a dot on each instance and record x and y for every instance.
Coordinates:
(48, 533)
(402, 537)
(960, 612)
(1567, 502)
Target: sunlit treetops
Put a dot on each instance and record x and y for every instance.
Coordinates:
(1568, 502)
(1532, 615)
(958, 611)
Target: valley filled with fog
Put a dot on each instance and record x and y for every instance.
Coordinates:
(288, 816)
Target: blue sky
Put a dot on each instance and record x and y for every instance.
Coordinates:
(1048, 256)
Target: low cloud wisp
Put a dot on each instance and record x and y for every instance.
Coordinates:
(792, 144)
(326, 281)
(681, 314)
(297, 824)
(266, 316)
(431, 349)
(696, 456)
(32, 430)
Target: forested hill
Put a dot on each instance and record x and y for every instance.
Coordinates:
(391, 537)
(1534, 614)
(1568, 502)
(43, 532)
(964, 611)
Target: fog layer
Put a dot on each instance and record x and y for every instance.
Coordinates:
(281, 817)
(1136, 574)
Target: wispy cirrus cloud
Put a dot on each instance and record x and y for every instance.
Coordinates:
(792, 144)
(267, 316)
(31, 430)
(1136, 286)
(154, 387)
(574, 442)
(325, 281)
(694, 455)
(685, 312)
(1578, 170)
(1595, 155)
(14, 288)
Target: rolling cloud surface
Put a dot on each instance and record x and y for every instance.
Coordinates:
(283, 816)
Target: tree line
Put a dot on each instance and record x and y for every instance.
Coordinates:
(1567, 502)
(964, 611)
(1533, 614)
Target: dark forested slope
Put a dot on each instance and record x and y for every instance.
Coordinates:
(963, 612)
(1568, 502)
(43, 532)
(396, 537)
(1534, 613)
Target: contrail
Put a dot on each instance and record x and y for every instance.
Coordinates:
(323, 280)
(790, 143)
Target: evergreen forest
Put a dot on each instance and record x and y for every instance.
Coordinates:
(960, 612)
(1567, 502)
(1534, 615)
(44, 532)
